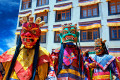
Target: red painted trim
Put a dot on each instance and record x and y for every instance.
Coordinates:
(116, 19)
(25, 12)
(90, 22)
(41, 8)
(63, 4)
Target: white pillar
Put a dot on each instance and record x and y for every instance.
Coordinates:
(51, 20)
(104, 31)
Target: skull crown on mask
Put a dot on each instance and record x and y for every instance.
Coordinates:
(69, 33)
(30, 32)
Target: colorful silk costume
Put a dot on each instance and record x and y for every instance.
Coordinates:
(26, 61)
(23, 66)
(70, 65)
(68, 59)
(106, 65)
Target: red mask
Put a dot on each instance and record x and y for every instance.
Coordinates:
(30, 34)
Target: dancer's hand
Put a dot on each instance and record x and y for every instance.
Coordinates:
(93, 65)
(86, 52)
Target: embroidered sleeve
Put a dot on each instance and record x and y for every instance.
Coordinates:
(51, 72)
(114, 68)
(86, 66)
(54, 61)
(6, 66)
(43, 71)
(2, 71)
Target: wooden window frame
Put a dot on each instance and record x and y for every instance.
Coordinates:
(114, 28)
(38, 4)
(41, 39)
(109, 7)
(92, 7)
(43, 14)
(55, 37)
(90, 30)
(25, 2)
(63, 11)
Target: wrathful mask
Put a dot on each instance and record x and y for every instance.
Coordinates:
(30, 31)
(99, 44)
(30, 34)
(69, 33)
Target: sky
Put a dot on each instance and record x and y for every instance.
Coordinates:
(9, 10)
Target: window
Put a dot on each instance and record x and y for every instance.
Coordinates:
(26, 4)
(57, 37)
(89, 35)
(61, 0)
(43, 16)
(115, 33)
(63, 15)
(114, 7)
(89, 11)
(42, 2)
(43, 37)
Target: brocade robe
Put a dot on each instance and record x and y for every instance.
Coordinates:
(106, 67)
(23, 66)
(70, 65)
